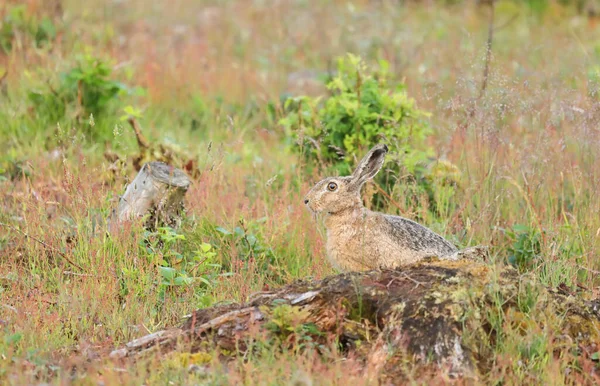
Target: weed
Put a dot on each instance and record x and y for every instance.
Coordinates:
(288, 324)
(18, 25)
(525, 250)
(86, 92)
(176, 269)
(252, 254)
(363, 110)
(213, 75)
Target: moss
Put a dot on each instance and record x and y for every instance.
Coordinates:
(181, 360)
(450, 316)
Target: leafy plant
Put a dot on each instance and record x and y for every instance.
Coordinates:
(249, 246)
(175, 268)
(525, 249)
(87, 88)
(17, 23)
(288, 324)
(365, 109)
(89, 82)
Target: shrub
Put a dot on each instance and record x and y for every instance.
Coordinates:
(86, 89)
(365, 109)
(17, 23)
(362, 111)
(88, 83)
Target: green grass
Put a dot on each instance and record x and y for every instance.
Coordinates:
(526, 151)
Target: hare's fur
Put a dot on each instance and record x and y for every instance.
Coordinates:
(360, 239)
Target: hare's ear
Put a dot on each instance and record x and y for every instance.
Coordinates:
(369, 166)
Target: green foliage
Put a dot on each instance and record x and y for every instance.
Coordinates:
(288, 321)
(88, 83)
(558, 267)
(365, 109)
(88, 89)
(362, 111)
(533, 354)
(525, 250)
(177, 269)
(18, 24)
(593, 79)
(537, 7)
(90, 80)
(249, 246)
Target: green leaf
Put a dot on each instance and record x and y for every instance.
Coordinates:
(238, 231)
(183, 280)
(204, 280)
(223, 230)
(13, 338)
(521, 228)
(167, 273)
(205, 247)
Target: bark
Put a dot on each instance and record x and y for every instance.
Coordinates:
(429, 318)
(157, 190)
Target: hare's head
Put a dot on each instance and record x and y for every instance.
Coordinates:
(335, 194)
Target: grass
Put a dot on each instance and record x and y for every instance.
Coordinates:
(527, 152)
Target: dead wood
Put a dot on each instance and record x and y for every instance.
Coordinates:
(157, 190)
(428, 317)
(147, 152)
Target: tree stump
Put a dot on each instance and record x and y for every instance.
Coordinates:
(157, 190)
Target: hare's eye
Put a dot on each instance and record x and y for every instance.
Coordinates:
(332, 186)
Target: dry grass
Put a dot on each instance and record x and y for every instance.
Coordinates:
(526, 149)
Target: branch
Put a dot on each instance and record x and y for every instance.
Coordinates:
(141, 140)
(488, 53)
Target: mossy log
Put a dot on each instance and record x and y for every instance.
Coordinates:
(157, 190)
(433, 317)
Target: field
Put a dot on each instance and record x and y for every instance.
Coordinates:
(511, 103)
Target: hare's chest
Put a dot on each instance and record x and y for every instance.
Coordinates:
(351, 250)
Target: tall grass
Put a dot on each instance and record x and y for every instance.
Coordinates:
(526, 150)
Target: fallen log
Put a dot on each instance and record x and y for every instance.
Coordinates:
(432, 317)
(157, 190)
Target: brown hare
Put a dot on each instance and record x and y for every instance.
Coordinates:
(359, 239)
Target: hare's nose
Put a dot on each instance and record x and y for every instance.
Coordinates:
(306, 201)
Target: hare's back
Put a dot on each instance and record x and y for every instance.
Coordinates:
(414, 236)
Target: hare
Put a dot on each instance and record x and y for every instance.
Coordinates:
(359, 239)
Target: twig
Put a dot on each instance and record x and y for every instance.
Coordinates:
(80, 109)
(141, 140)
(380, 190)
(418, 283)
(470, 114)
(486, 68)
(405, 275)
(198, 265)
(78, 274)
(164, 338)
(44, 244)
(488, 52)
